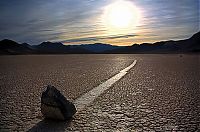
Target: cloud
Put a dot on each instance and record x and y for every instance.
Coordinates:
(36, 21)
(98, 38)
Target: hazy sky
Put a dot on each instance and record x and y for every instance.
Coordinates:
(86, 21)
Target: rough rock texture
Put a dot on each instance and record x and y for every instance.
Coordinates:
(55, 106)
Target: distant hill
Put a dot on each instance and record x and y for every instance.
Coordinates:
(191, 45)
(49, 47)
(182, 46)
(12, 47)
(97, 47)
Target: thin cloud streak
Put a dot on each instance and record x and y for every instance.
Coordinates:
(99, 38)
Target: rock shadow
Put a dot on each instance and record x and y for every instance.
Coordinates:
(48, 125)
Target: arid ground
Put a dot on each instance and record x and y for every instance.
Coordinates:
(160, 93)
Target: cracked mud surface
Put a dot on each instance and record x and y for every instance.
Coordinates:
(161, 93)
(158, 94)
(23, 78)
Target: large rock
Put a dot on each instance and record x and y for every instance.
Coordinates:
(55, 106)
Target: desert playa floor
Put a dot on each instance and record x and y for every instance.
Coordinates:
(160, 93)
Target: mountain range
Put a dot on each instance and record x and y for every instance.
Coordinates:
(191, 45)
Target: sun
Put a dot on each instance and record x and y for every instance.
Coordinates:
(121, 14)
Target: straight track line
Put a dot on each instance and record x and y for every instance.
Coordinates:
(91, 95)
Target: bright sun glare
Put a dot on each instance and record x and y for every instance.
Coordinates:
(121, 14)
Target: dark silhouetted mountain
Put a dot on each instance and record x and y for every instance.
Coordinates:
(190, 45)
(12, 47)
(79, 49)
(49, 47)
(182, 46)
(97, 47)
(57, 47)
